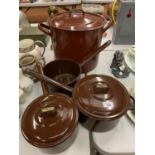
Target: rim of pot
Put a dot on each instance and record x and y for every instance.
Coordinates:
(65, 59)
(90, 29)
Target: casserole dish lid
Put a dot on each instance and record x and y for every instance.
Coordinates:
(101, 97)
(77, 21)
(49, 120)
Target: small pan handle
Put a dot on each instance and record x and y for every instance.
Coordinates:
(95, 53)
(40, 70)
(47, 79)
(45, 28)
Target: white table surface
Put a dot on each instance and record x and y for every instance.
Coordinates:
(81, 144)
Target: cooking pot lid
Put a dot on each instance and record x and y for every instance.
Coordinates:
(101, 97)
(77, 21)
(49, 120)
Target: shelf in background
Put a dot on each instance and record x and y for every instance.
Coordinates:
(97, 1)
(44, 3)
(40, 3)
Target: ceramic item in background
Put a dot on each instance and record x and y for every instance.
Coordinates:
(29, 61)
(101, 100)
(20, 111)
(23, 21)
(33, 33)
(25, 83)
(29, 46)
(20, 73)
(94, 8)
(21, 96)
(50, 122)
(118, 66)
(82, 33)
(130, 58)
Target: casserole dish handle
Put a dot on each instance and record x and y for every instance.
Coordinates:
(45, 28)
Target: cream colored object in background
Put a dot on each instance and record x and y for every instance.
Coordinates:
(23, 21)
(93, 8)
(129, 58)
(21, 96)
(28, 61)
(29, 46)
(25, 83)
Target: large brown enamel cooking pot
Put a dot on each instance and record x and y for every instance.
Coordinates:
(76, 34)
(101, 100)
(68, 71)
(50, 122)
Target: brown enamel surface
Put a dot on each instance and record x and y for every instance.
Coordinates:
(99, 103)
(64, 71)
(101, 100)
(76, 45)
(62, 146)
(97, 125)
(76, 35)
(49, 129)
(78, 21)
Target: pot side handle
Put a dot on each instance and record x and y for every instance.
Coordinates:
(108, 24)
(44, 28)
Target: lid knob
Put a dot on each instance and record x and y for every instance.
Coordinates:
(47, 111)
(101, 91)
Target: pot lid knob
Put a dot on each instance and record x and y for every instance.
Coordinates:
(101, 91)
(48, 111)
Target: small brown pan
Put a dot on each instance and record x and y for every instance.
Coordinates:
(50, 122)
(67, 71)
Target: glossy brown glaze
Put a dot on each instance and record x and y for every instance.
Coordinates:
(101, 97)
(77, 45)
(51, 128)
(63, 145)
(50, 121)
(77, 20)
(101, 100)
(67, 71)
(76, 35)
(97, 125)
